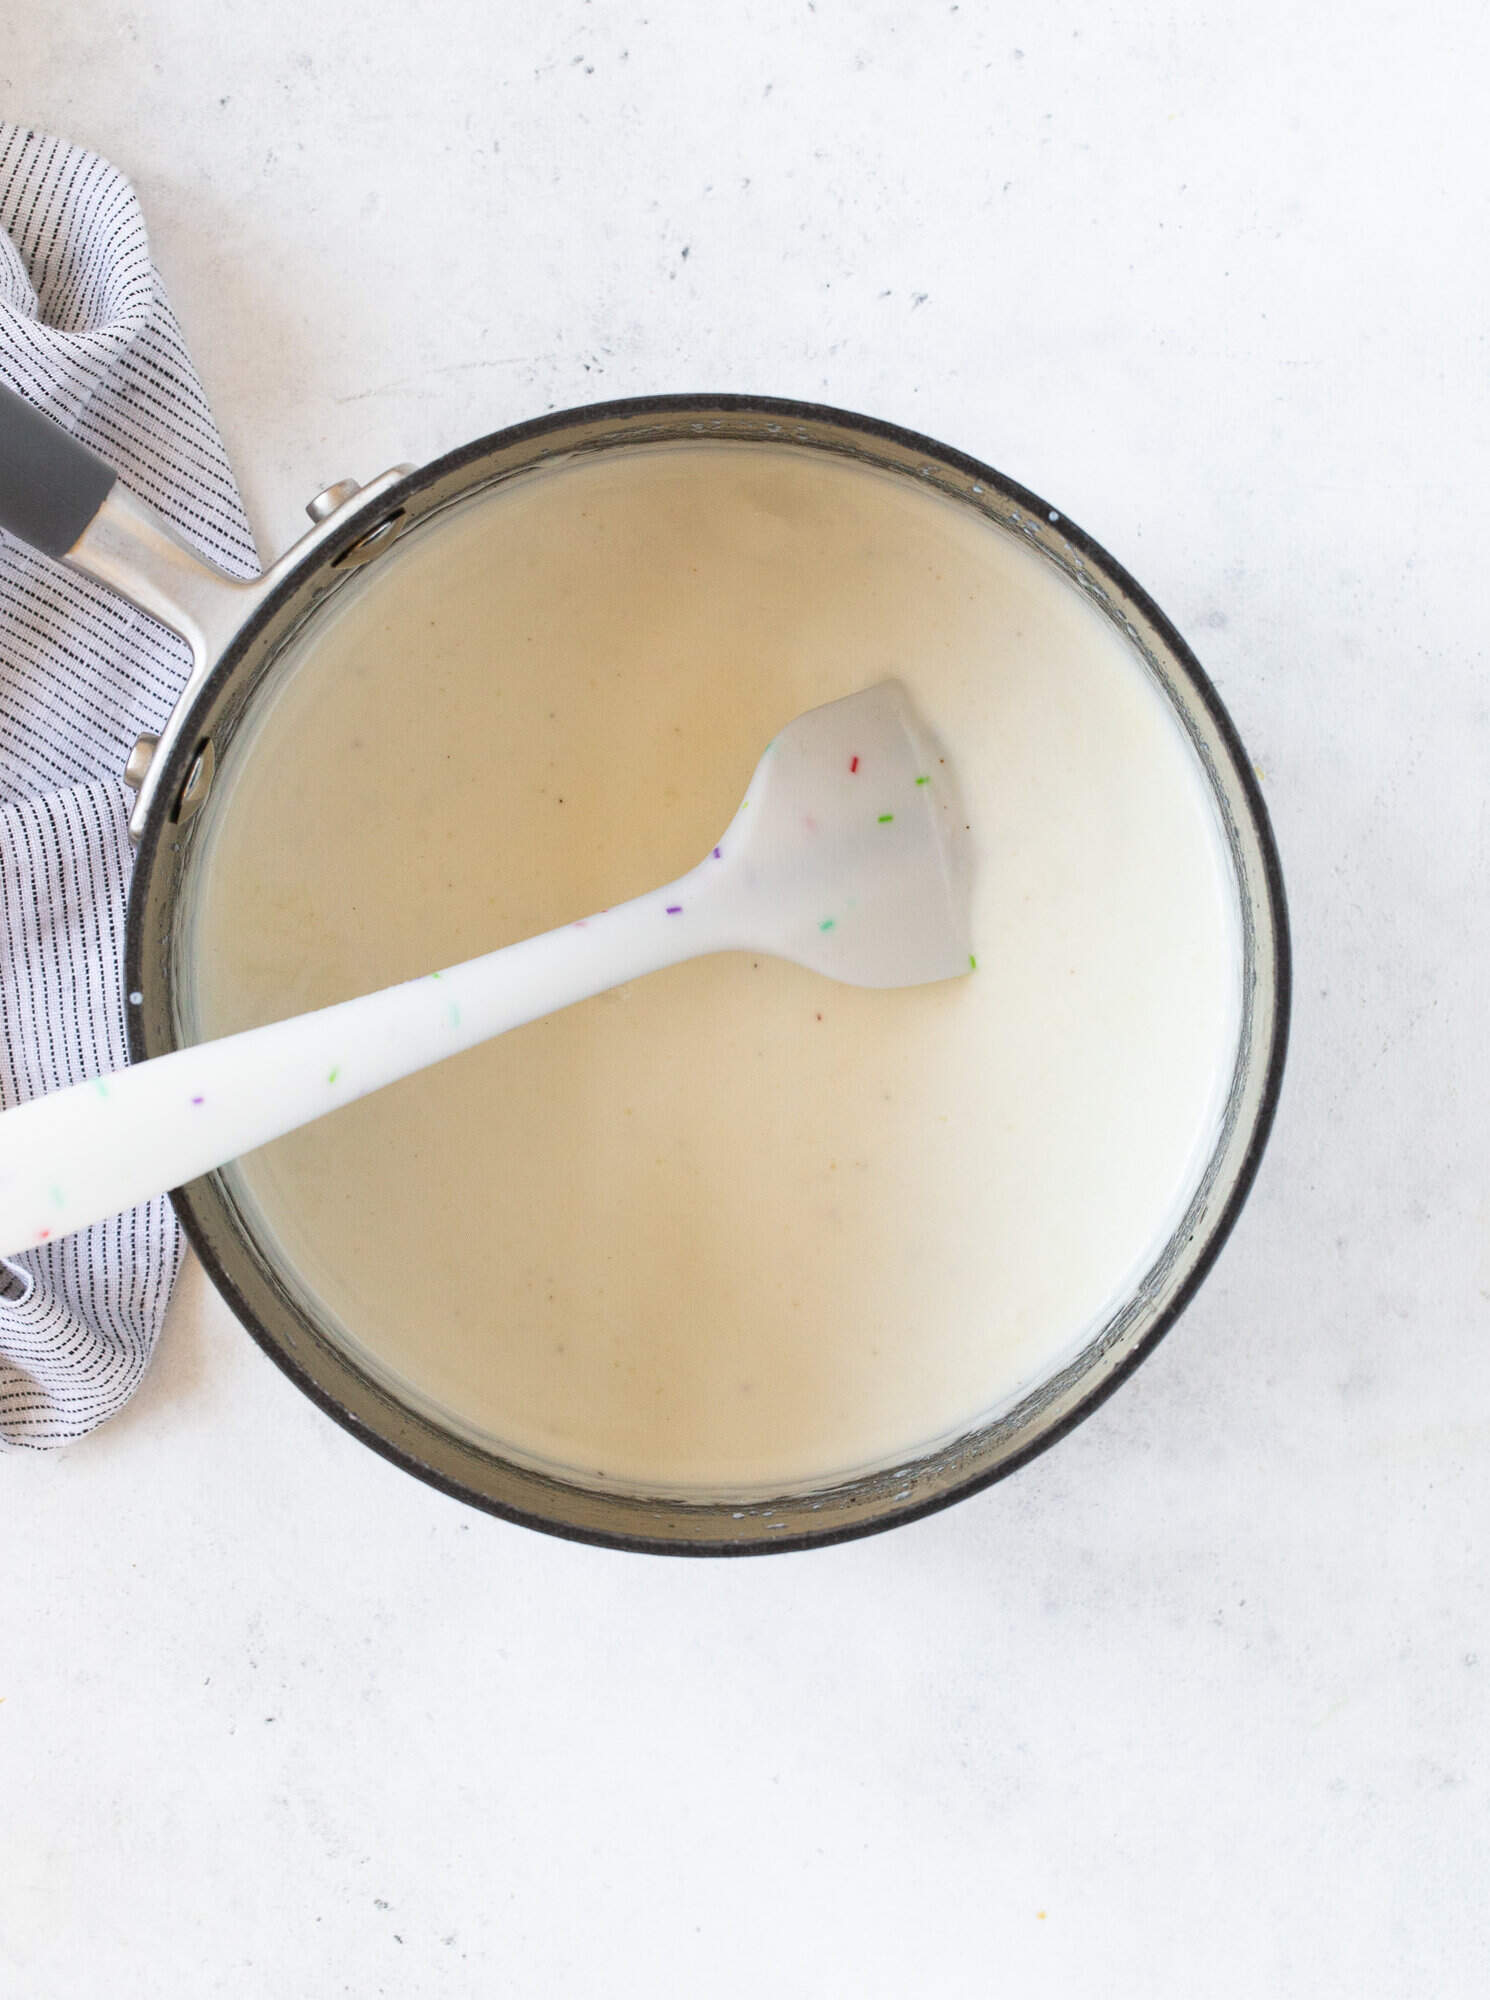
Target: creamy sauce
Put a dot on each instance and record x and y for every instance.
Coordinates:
(731, 1228)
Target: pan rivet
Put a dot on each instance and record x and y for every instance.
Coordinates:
(139, 760)
(337, 494)
(198, 782)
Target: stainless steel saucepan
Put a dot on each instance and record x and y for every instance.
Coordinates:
(65, 502)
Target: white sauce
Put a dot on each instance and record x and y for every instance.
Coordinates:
(731, 1228)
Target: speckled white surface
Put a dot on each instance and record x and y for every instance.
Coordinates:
(1196, 1704)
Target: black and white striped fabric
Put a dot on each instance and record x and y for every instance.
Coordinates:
(86, 335)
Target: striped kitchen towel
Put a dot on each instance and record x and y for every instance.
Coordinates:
(85, 334)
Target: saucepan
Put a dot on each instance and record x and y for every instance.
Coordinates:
(66, 503)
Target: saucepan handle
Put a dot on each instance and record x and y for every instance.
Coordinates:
(68, 504)
(65, 502)
(51, 486)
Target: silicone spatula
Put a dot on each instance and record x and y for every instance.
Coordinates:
(849, 855)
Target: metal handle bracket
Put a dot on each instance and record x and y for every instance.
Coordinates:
(131, 549)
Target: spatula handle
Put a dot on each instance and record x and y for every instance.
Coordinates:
(71, 1157)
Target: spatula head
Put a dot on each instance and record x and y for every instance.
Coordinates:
(851, 854)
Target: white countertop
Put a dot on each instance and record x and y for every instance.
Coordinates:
(1195, 1705)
